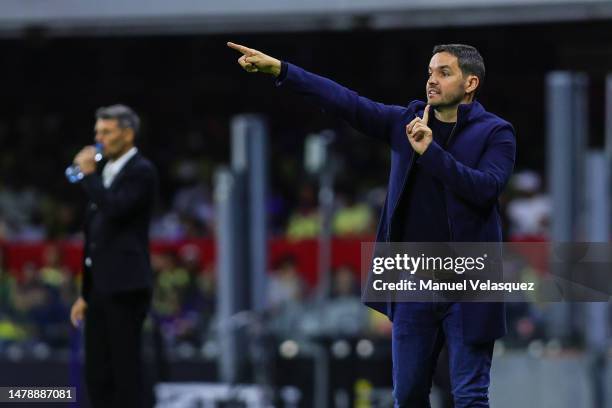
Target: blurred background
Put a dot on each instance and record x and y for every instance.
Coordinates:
(243, 163)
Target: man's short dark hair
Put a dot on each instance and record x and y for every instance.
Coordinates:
(469, 59)
(125, 116)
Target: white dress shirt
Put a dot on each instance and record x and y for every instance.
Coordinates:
(113, 167)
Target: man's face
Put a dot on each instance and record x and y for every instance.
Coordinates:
(115, 140)
(446, 84)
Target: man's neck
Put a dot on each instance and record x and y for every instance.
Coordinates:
(446, 115)
(449, 114)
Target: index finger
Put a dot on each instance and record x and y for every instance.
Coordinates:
(240, 48)
(425, 115)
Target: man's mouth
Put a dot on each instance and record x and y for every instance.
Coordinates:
(432, 92)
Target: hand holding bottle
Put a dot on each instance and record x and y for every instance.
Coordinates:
(84, 163)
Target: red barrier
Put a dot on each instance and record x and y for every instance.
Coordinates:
(345, 251)
(305, 253)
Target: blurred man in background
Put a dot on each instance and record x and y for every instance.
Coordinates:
(450, 161)
(117, 276)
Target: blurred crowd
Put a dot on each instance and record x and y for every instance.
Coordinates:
(35, 304)
(34, 307)
(35, 301)
(27, 215)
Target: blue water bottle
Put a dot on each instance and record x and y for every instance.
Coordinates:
(74, 173)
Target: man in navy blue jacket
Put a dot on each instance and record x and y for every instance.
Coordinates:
(450, 161)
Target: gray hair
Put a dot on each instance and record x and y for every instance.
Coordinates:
(125, 115)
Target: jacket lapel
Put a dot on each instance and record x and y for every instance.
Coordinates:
(466, 113)
(125, 169)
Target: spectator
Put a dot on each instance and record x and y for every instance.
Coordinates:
(7, 286)
(193, 201)
(344, 313)
(287, 299)
(285, 284)
(352, 218)
(35, 304)
(305, 221)
(529, 211)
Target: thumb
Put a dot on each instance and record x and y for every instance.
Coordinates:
(74, 319)
(425, 115)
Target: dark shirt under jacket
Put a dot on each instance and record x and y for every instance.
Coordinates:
(421, 212)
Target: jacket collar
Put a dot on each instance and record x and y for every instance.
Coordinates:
(466, 112)
(124, 169)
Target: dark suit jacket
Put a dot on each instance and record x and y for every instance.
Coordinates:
(474, 170)
(116, 252)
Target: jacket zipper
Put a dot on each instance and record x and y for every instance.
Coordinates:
(450, 228)
(451, 135)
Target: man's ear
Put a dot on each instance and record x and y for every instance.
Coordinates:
(129, 135)
(471, 83)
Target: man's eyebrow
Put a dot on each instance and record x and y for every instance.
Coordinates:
(441, 67)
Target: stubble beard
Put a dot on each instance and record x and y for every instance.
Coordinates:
(451, 102)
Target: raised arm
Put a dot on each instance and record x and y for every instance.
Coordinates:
(371, 118)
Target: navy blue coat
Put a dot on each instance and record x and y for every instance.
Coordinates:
(474, 170)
